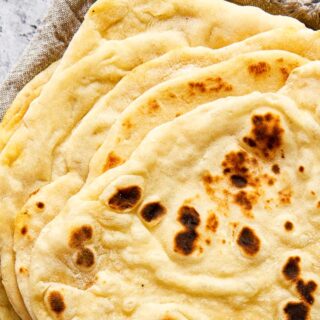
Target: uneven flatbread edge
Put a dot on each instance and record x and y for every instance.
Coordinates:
(307, 11)
(47, 46)
(65, 17)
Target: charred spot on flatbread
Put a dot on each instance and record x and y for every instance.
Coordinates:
(248, 241)
(306, 290)
(85, 258)
(152, 211)
(56, 302)
(291, 269)
(266, 135)
(185, 241)
(80, 235)
(259, 68)
(125, 198)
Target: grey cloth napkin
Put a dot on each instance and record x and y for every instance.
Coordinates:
(65, 16)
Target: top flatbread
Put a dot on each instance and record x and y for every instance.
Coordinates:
(189, 226)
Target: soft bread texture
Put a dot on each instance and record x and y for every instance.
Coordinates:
(26, 163)
(188, 227)
(9, 124)
(82, 144)
(6, 310)
(303, 86)
(21, 103)
(197, 23)
(217, 23)
(82, 141)
(264, 71)
(85, 140)
(303, 42)
(293, 83)
(90, 68)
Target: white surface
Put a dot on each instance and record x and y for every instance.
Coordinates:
(18, 22)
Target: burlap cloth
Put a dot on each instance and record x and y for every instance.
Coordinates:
(65, 17)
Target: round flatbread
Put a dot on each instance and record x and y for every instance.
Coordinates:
(263, 71)
(214, 212)
(85, 140)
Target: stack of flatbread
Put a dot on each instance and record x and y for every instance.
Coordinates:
(166, 168)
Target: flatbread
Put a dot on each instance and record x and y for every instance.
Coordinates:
(307, 95)
(82, 144)
(79, 148)
(189, 226)
(9, 124)
(6, 310)
(303, 42)
(21, 103)
(217, 23)
(199, 23)
(264, 71)
(26, 163)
